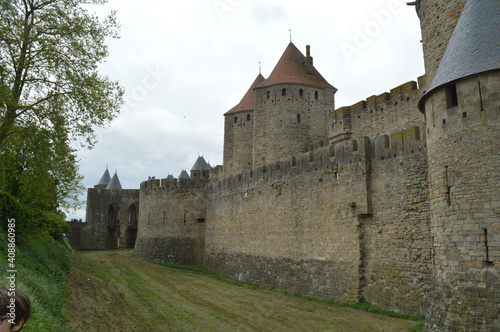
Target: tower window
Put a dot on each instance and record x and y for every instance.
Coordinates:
(248, 117)
(301, 93)
(235, 119)
(451, 96)
(283, 92)
(268, 94)
(316, 95)
(298, 118)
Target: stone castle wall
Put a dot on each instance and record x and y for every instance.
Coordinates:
(378, 115)
(111, 220)
(324, 223)
(172, 221)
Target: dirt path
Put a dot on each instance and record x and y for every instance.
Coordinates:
(114, 291)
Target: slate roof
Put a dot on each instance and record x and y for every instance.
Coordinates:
(200, 164)
(105, 178)
(291, 69)
(247, 102)
(474, 46)
(184, 175)
(114, 183)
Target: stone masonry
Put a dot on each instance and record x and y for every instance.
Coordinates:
(393, 200)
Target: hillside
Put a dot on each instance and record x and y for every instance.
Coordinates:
(115, 291)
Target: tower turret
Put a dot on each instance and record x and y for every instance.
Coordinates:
(291, 109)
(463, 144)
(200, 169)
(238, 133)
(438, 19)
(114, 183)
(104, 180)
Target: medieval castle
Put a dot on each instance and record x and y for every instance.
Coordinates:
(394, 200)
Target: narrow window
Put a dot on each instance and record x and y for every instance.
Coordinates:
(316, 95)
(235, 119)
(448, 183)
(301, 93)
(298, 118)
(487, 260)
(268, 94)
(248, 117)
(200, 220)
(283, 92)
(451, 96)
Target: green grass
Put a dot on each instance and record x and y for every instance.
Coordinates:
(42, 263)
(133, 294)
(365, 306)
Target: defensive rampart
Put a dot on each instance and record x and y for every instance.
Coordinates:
(348, 222)
(111, 220)
(172, 221)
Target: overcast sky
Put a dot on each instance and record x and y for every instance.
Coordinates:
(183, 64)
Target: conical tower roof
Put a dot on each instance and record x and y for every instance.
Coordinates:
(114, 183)
(199, 165)
(105, 178)
(473, 47)
(247, 102)
(183, 175)
(292, 68)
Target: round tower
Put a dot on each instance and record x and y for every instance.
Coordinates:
(238, 133)
(438, 19)
(461, 108)
(291, 109)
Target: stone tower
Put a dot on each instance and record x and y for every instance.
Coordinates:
(238, 133)
(462, 114)
(438, 19)
(291, 109)
(111, 218)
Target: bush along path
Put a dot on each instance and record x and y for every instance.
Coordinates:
(115, 291)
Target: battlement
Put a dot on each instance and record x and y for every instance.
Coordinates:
(332, 159)
(377, 115)
(172, 184)
(394, 96)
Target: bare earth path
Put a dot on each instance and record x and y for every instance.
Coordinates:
(115, 291)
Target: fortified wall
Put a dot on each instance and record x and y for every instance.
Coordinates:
(349, 221)
(400, 208)
(111, 221)
(172, 220)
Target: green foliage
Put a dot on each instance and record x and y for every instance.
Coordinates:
(50, 94)
(419, 328)
(42, 263)
(40, 170)
(29, 219)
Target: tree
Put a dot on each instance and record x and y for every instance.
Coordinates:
(50, 88)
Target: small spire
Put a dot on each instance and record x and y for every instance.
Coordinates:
(290, 30)
(259, 68)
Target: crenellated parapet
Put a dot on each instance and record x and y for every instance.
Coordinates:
(173, 185)
(377, 115)
(331, 159)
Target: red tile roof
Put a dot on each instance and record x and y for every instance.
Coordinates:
(291, 68)
(247, 102)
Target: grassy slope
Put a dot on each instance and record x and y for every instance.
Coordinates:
(42, 263)
(114, 291)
